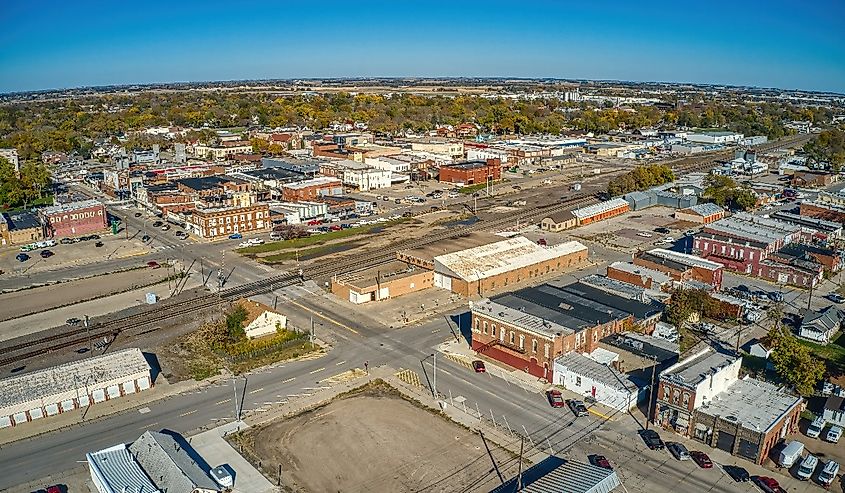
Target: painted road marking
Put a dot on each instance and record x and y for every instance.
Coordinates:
(342, 362)
(317, 370)
(600, 414)
(222, 402)
(291, 379)
(256, 390)
(325, 317)
(144, 410)
(294, 395)
(187, 413)
(148, 426)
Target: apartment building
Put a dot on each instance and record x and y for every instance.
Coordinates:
(220, 222)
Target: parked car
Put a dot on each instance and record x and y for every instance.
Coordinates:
(577, 407)
(157, 224)
(599, 461)
(67, 241)
(166, 227)
(255, 241)
(702, 459)
(644, 234)
(152, 264)
(807, 467)
(828, 473)
(814, 429)
(244, 244)
(22, 257)
(555, 398)
(737, 473)
(678, 450)
(137, 214)
(99, 244)
(478, 366)
(145, 238)
(652, 439)
(662, 230)
(776, 296)
(767, 484)
(72, 321)
(94, 237)
(833, 434)
(236, 236)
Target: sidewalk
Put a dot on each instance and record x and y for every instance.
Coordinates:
(461, 353)
(212, 446)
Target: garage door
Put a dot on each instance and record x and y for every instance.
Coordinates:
(747, 449)
(725, 442)
(84, 400)
(36, 413)
(129, 387)
(67, 405)
(113, 391)
(144, 383)
(19, 418)
(52, 409)
(441, 281)
(5, 421)
(99, 395)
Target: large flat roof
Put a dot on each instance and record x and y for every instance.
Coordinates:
(556, 475)
(70, 376)
(685, 259)
(592, 210)
(694, 370)
(117, 470)
(503, 256)
(314, 182)
(590, 368)
(751, 403)
(450, 245)
(71, 206)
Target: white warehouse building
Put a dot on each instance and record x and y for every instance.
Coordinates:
(73, 385)
(589, 378)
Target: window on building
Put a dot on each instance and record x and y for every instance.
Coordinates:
(485, 326)
(578, 380)
(676, 396)
(493, 330)
(521, 341)
(534, 346)
(477, 323)
(512, 337)
(686, 398)
(502, 335)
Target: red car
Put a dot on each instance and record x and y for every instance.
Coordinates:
(767, 484)
(555, 398)
(600, 461)
(478, 366)
(152, 264)
(702, 459)
(335, 227)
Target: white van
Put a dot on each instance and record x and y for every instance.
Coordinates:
(828, 474)
(790, 453)
(834, 434)
(815, 428)
(807, 467)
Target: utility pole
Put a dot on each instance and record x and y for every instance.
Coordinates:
(519, 476)
(235, 395)
(651, 391)
(88, 334)
(810, 298)
(435, 374)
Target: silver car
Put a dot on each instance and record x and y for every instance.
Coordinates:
(679, 451)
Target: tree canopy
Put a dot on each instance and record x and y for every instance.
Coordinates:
(724, 191)
(828, 148)
(20, 189)
(793, 361)
(640, 178)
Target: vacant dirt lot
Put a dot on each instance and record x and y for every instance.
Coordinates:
(374, 440)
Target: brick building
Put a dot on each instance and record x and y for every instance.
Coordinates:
(640, 276)
(529, 328)
(311, 189)
(20, 228)
(823, 210)
(601, 211)
(559, 221)
(682, 267)
(491, 267)
(220, 222)
(382, 282)
(471, 172)
(74, 218)
(701, 213)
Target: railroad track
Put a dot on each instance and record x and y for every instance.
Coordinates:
(45, 345)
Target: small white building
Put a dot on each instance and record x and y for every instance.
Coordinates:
(261, 319)
(73, 385)
(834, 410)
(366, 178)
(821, 326)
(591, 379)
(715, 137)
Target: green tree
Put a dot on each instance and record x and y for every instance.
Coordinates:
(793, 361)
(235, 319)
(828, 148)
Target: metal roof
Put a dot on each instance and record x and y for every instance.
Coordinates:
(706, 209)
(71, 206)
(497, 258)
(587, 367)
(69, 376)
(21, 220)
(607, 205)
(117, 470)
(655, 275)
(755, 405)
(170, 465)
(314, 182)
(556, 475)
(685, 259)
(694, 370)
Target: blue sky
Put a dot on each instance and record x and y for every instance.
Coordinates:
(59, 44)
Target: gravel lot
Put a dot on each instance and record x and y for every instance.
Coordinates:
(375, 440)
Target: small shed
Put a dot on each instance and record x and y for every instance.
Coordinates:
(590, 378)
(559, 221)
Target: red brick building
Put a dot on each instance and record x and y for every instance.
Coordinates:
(74, 218)
(681, 266)
(601, 211)
(819, 210)
(216, 223)
(311, 189)
(471, 172)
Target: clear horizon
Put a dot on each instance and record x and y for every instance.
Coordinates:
(775, 44)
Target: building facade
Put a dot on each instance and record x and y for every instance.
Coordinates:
(471, 172)
(601, 211)
(20, 228)
(74, 218)
(217, 223)
(311, 189)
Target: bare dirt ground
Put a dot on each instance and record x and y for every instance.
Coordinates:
(35, 300)
(375, 440)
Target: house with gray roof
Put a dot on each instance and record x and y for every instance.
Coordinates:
(170, 466)
(591, 379)
(821, 326)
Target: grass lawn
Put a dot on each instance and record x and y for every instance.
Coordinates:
(315, 239)
(833, 354)
(307, 253)
(46, 200)
(478, 186)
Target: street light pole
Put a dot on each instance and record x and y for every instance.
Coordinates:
(435, 374)
(651, 391)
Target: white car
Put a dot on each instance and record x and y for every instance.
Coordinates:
(255, 241)
(453, 195)
(244, 244)
(834, 434)
(644, 234)
(815, 428)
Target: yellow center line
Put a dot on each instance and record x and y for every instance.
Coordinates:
(601, 415)
(324, 317)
